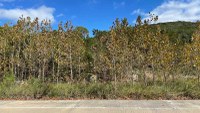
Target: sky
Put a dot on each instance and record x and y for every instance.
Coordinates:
(98, 14)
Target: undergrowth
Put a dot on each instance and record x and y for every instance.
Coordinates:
(36, 89)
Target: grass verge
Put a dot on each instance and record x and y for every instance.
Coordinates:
(36, 89)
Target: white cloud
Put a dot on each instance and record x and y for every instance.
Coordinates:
(42, 12)
(138, 12)
(178, 10)
(118, 5)
(60, 15)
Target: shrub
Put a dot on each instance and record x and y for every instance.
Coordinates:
(7, 84)
(8, 80)
(35, 88)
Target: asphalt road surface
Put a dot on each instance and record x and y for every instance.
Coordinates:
(101, 106)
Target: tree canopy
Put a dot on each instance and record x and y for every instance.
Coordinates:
(33, 49)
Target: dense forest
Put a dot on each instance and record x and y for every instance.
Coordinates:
(143, 53)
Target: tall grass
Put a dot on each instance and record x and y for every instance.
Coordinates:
(36, 89)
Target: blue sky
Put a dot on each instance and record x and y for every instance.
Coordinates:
(99, 14)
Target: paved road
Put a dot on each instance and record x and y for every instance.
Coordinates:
(101, 106)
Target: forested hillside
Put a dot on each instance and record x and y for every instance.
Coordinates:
(179, 30)
(141, 53)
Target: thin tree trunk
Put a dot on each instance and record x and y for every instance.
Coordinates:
(53, 73)
(25, 64)
(39, 71)
(79, 67)
(114, 71)
(131, 64)
(25, 73)
(18, 63)
(165, 77)
(145, 78)
(153, 69)
(58, 68)
(43, 70)
(71, 70)
(13, 61)
(4, 57)
(30, 70)
(15, 71)
(53, 65)
(22, 73)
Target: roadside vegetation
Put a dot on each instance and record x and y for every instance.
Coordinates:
(36, 89)
(141, 61)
